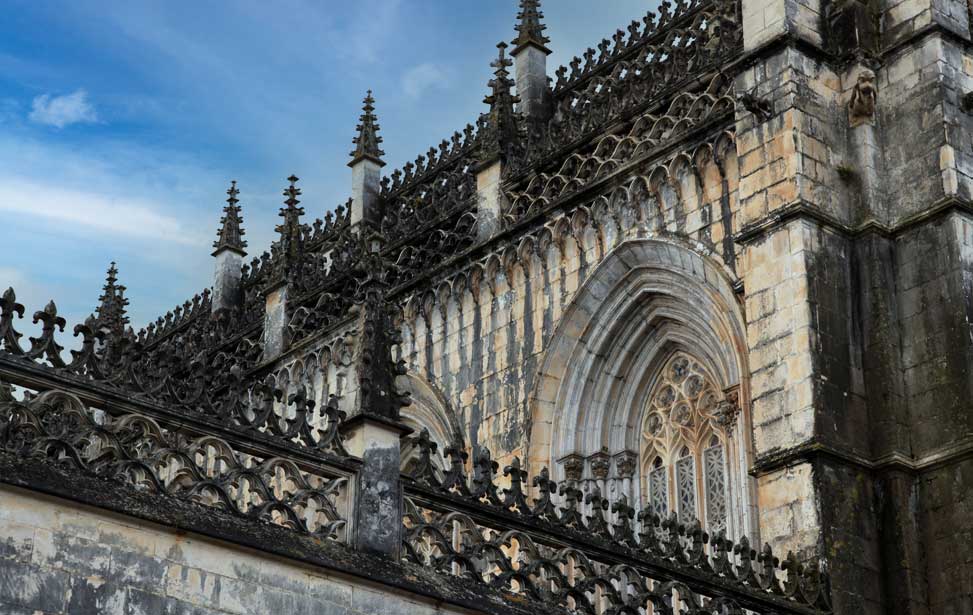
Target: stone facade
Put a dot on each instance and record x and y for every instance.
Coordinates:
(719, 272)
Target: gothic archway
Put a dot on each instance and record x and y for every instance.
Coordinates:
(429, 410)
(650, 304)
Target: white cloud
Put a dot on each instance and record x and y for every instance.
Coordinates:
(61, 111)
(422, 77)
(124, 216)
(102, 188)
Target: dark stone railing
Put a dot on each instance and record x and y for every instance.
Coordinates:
(220, 389)
(672, 61)
(655, 29)
(55, 427)
(614, 156)
(597, 563)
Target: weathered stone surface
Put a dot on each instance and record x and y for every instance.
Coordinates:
(167, 571)
(811, 248)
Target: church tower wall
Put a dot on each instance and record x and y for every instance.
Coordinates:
(855, 226)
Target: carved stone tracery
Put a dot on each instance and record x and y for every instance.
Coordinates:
(680, 427)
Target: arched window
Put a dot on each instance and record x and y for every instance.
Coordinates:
(683, 446)
(659, 488)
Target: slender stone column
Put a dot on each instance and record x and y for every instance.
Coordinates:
(288, 258)
(275, 321)
(530, 60)
(229, 253)
(498, 140)
(226, 279)
(374, 431)
(378, 500)
(366, 169)
(490, 200)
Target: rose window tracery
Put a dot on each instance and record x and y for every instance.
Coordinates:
(684, 445)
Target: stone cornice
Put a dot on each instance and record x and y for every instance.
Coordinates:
(802, 210)
(813, 450)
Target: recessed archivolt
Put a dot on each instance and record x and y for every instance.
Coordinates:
(647, 204)
(646, 300)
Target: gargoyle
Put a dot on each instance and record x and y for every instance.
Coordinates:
(760, 107)
(861, 107)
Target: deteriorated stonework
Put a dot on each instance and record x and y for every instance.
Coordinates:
(685, 328)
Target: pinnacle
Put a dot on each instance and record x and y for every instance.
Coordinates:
(112, 276)
(230, 235)
(112, 302)
(501, 83)
(530, 29)
(499, 131)
(290, 246)
(292, 202)
(367, 140)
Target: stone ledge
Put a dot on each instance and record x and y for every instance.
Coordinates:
(802, 210)
(812, 450)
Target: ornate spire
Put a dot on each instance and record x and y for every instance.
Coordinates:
(230, 235)
(110, 314)
(499, 130)
(367, 142)
(376, 368)
(290, 246)
(530, 30)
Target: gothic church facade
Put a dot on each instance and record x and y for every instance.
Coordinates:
(700, 297)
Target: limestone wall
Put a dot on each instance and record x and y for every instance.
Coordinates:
(58, 557)
(480, 336)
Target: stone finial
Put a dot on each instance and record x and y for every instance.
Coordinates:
(861, 107)
(367, 141)
(290, 246)
(110, 314)
(501, 83)
(530, 29)
(366, 164)
(499, 130)
(230, 235)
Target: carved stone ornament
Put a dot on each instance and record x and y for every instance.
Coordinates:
(625, 464)
(966, 103)
(728, 410)
(861, 107)
(761, 108)
(573, 467)
(600, 465)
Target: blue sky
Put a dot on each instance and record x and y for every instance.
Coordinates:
(122, 123)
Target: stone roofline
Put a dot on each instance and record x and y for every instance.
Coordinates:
(461, 156)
